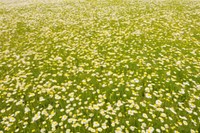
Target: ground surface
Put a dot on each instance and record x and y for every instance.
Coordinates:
(100, 66)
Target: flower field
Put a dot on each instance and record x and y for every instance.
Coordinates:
(101, 66)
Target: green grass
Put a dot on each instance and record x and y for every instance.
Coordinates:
(100, 66)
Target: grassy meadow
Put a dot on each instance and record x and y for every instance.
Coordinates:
(100, 66)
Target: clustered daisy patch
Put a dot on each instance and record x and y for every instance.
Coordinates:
(115, 66)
